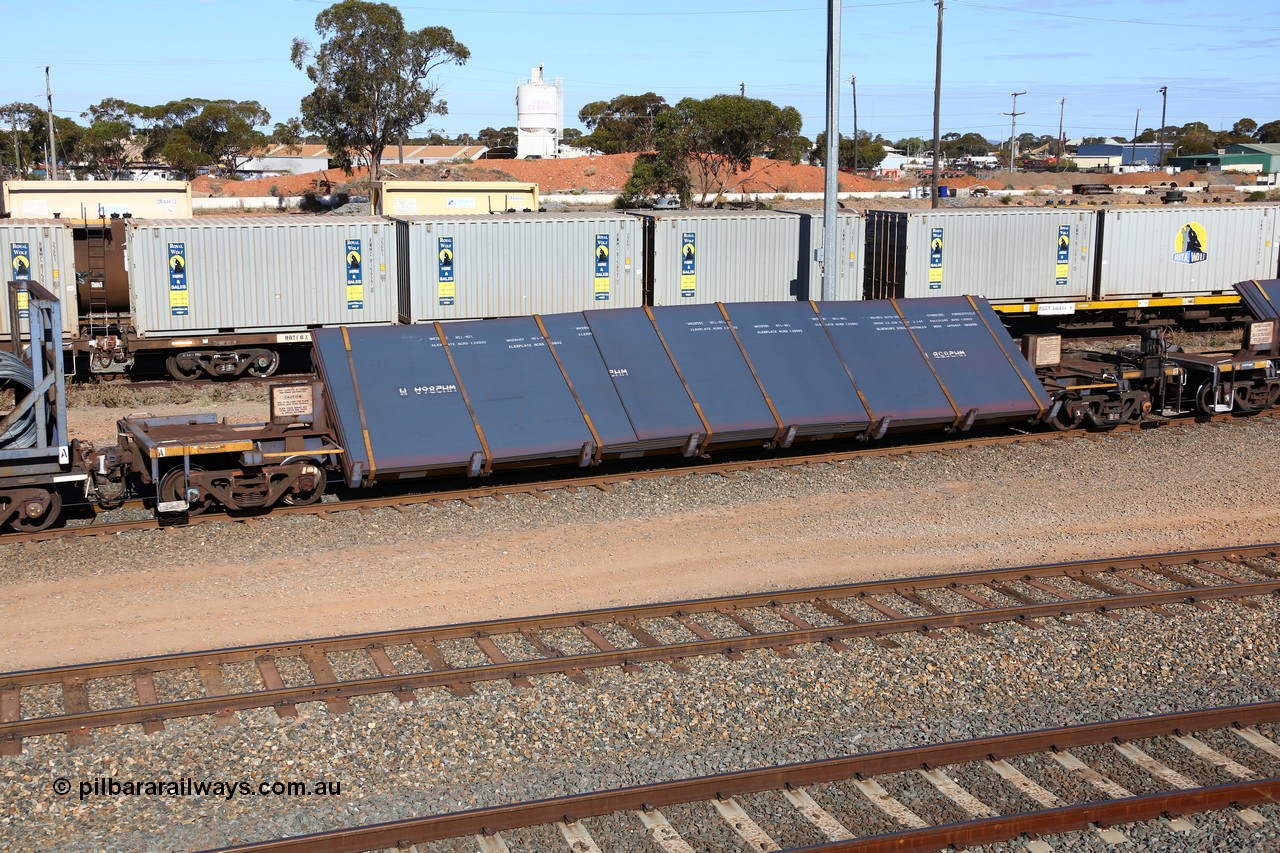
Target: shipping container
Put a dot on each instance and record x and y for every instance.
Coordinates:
(93, 201)
(260, 274)
(41, 250)
(1174, 251)
(705, 256)
(1002, 255)
(466, 267)
(454, 198)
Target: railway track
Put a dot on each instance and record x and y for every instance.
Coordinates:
(603, 482)
(150, 690)
(1025, 785)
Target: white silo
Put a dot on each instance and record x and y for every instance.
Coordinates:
(539, 116)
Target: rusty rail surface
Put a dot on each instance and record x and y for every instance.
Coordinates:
(728, 625)
(790, 781)
(603, 482)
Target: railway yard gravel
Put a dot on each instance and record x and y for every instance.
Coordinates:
(285, 578)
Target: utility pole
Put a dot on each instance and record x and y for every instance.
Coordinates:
(854, 82)
(831, 184)
(1133, 146)
(742, 90)
(1164, 103)
(1062, 139)
(17, 152)
(937, 114)
(52, 159)
(1013, 133)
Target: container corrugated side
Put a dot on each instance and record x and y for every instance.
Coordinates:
(850, 268)
(1003, 255)
(260, 274)
(1184, 251)
(50, 252)
(705, 256)
(463, 267)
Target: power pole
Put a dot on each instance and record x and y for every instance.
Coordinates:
(831, 184)
(17, 152)
(1013, 133)
(854, 82)
(52, 159)
(1062, 139)
(742, 90)
(1164, 103)
(1133, 146)
(937, 114)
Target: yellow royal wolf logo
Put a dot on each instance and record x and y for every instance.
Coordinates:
(1190, 244)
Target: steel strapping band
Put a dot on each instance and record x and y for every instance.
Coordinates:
(946, 392)
(1025, 384)
(466, 399)
(768, 401)
(355, 386)
(706, 427)
(871, 416)
(595, 436)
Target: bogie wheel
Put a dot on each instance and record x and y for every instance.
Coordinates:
(173, 487)
(1242, 403)
(264, 364)
(1064, 420)
(295, 497)
(1206, 397)
(180, 369)
(23, 523)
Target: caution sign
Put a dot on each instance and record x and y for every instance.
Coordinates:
(179, 294)
(1064, 256)
(444, 287)
(602, 267)
(688, 265)
(1191, 246)
(355, 276)
(935, 259)
(20, 265)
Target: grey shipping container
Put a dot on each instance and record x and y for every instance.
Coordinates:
(510, 265)
(1003, 255)
(706, 256)
(1171, 251)
(260, 274)
(40, 250)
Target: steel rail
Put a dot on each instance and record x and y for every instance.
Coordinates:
(604, 482)
(569, 809)
(13, 729)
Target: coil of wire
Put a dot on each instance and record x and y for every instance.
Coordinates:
(16, 374)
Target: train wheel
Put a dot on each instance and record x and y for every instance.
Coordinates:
(181, 369)
(173, 487)
(1206, 397)
(24, 523)
(1242, 401)
(1063, 418)
(295, 497)
(264, 364)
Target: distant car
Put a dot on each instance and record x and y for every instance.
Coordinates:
(666, 203)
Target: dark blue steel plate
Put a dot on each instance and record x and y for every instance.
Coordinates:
(576, 347)
(517, 392)
(799, 367)
(886, 363)
(704, 348)
(412, 406)
(966, 344)
(1262, 298)
(656, 401)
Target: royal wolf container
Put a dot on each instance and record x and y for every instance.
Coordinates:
(455, 198)
(467, 267)
(699, 257)
(1172, 251)
(850, 268)
(91, 201)
(242, 274)
(41, 250)
(1002, 255)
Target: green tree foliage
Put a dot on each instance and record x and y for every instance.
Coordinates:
(291, 133)
(17, 120)
(105, 147)
(966, 145)
(624, 124)
(493, 137)
(572, 136)
(717, 138)
(190, 134)
(654, 175)
(371, 78)
(913, 146)
(870, 151)
(1269, 133)
(1245, 128)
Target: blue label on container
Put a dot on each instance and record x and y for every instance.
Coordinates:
(935, 259)
(355, 276)
(445, 292)
(21, 265)
(179, 295)
(688, 265)
(602, 268)
(1063, 266)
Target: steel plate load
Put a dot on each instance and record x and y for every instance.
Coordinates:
(477, 396)
(1261, 297)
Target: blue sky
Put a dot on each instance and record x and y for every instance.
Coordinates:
(1107, 59)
